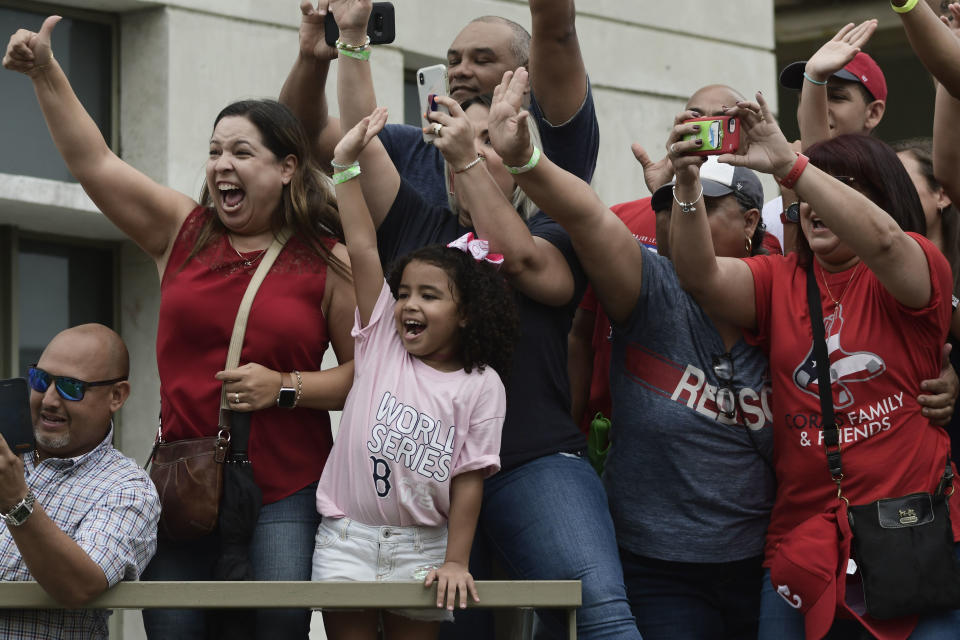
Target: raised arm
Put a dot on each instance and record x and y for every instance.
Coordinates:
(532, 264)
(830, 58)
(557, 74)
(722, 286)
(149, 213)
(358, 227)
(56, 561)
(946, 137)
(937, 48)
(606, 248)
(304, 90)
(875, 237)
(380, 180)
(946, 143)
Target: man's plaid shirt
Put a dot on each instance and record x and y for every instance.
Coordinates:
(108, 505)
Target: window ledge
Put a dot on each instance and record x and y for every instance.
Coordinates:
(52, 206)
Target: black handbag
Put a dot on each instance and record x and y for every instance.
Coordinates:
(903, 546)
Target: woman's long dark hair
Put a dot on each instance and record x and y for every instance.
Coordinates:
(878, 173)
(484, 300)
(307, 204)
(921, 150)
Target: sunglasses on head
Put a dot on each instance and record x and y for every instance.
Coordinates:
(726, 396)
(68, 388)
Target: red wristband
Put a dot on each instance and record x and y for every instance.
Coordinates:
(790, 180)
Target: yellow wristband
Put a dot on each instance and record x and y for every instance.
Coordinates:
(905, 8)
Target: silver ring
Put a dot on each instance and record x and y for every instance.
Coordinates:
(436, 128)
(673, 148)
(236, 398)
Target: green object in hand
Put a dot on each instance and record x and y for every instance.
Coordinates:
(598, 442)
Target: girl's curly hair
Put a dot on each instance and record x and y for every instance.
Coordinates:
(484, 299)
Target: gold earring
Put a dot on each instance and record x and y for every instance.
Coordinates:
(749, 245)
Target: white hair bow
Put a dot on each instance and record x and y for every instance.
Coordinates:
(479, 249)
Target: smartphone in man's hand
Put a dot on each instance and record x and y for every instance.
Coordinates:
(15, 422)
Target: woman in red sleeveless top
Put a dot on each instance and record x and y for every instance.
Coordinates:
(259, 178)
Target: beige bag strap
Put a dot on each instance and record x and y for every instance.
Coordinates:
(243, 313)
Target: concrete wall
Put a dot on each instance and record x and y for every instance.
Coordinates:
(180, 62)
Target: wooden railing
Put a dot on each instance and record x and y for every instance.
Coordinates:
(547, 594)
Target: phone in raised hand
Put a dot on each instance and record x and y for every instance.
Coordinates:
(431, 82)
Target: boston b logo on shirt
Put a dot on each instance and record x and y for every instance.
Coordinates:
(409, 437)
(848, 368)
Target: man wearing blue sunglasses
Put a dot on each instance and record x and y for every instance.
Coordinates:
(81, 516)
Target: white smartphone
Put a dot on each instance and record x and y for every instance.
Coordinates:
(431, 82)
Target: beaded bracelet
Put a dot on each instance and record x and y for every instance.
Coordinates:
(687, 207)
(355, 51)
(346, 46)
(531, 163)
(471, 164)
(299, 388)
(341, 167)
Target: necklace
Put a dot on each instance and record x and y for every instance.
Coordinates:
(247, 262)
(836, 300)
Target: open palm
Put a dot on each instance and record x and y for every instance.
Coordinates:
(356, 139)
(767, 148)
(506, 123)
(841, 49)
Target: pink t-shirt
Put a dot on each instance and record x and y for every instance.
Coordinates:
(406, 430)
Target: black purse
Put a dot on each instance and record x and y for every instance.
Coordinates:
(903, 546)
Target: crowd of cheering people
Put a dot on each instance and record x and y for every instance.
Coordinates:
(486, 307)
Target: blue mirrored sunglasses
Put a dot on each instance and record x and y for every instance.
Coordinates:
(68, 388)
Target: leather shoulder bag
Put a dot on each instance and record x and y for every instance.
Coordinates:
(188, 473)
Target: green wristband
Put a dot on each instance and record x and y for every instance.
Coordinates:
(531, 163)
(356, 55)
(347, 174)
(905, 8)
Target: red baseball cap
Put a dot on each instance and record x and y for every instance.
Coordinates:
(809, 571)
(862, 69)
(804, 571)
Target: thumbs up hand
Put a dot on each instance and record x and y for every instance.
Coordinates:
(29, 52)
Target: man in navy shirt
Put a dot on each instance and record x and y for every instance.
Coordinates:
(488, 46)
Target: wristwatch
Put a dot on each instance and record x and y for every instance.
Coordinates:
(287, 398)
(20, 511)
(791, 214)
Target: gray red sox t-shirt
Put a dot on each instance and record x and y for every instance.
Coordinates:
(686, 483)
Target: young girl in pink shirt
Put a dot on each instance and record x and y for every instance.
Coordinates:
(401, 491)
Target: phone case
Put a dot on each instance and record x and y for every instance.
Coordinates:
(16, 425)
(381, 27)
(720, 134)
(431, 82)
